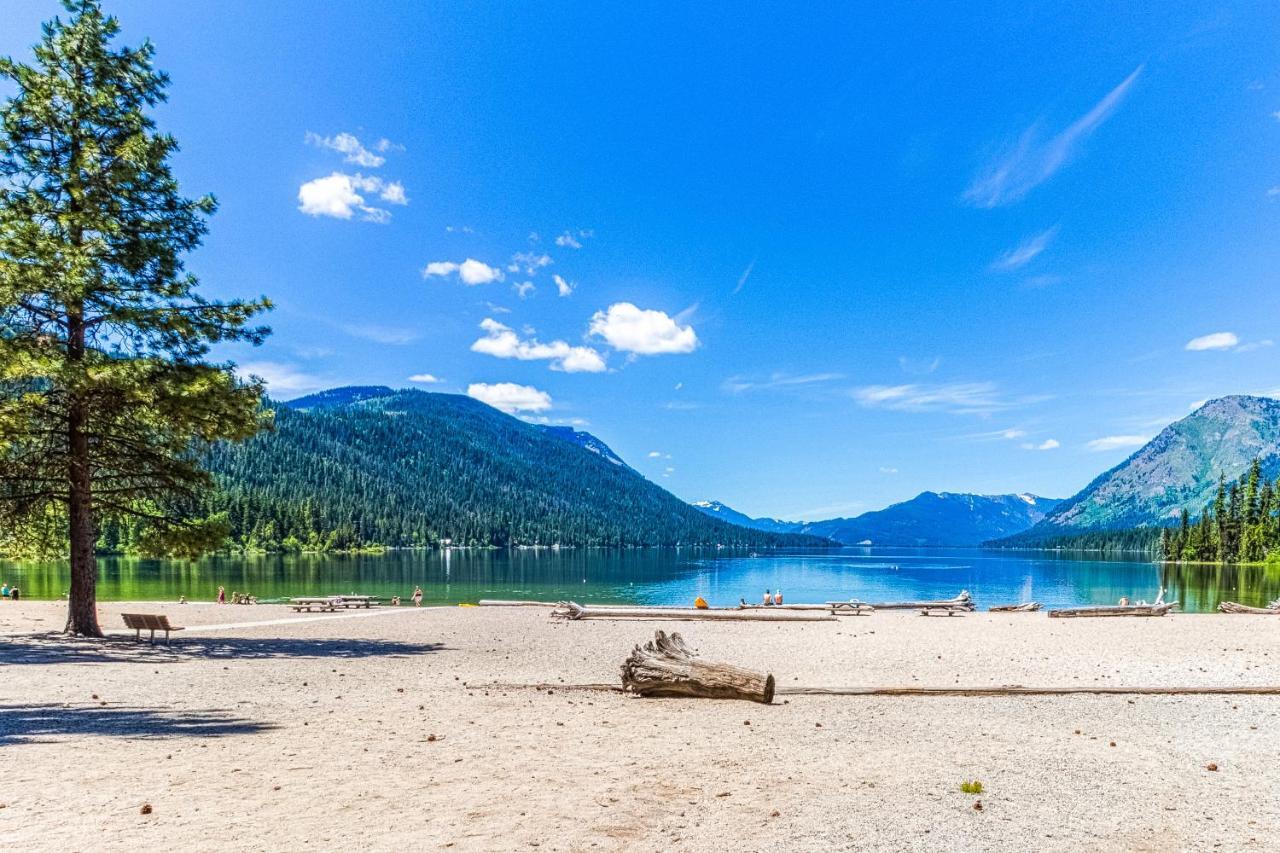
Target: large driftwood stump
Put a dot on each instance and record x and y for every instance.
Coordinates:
(665, 666)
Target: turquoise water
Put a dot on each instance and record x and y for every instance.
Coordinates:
(669, 576)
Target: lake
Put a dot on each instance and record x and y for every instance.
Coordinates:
(669, 576)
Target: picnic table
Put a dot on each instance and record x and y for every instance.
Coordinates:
(330, 603)
(152, 622)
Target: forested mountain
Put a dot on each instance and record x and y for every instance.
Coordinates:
(358, 467)
(929, 519)
(1177, 471)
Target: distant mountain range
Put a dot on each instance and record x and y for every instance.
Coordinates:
(929, 519)
(361, 466)
(1176, 470)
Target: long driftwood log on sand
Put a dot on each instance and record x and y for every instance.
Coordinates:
(1029, 607)
(574, 611)
(1233, 607)
(1117, 610)
(665, 666)
(963, 600)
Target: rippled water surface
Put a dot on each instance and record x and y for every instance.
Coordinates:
(670, 576)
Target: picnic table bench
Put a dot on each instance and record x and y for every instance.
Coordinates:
(330, 603)
(847, 608)
(152, 622)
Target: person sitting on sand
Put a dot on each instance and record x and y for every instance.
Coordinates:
(417, 596)
(777, 597)
(222, 595)
(4, 590)
(14, 593)
(182, 599)
(395, 601)
(1124, 601)
(768, 598)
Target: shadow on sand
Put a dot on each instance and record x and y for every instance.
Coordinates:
(32, 723)
(55, 648)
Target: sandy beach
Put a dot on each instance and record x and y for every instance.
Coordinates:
(405, 728)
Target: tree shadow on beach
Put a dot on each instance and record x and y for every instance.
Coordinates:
(35, 723)
(55, 648)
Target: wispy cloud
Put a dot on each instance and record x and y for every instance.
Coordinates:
(284, 380)
(530, 262)
(776, 381)
(563, 287)
(1031, 160)
(957, 398)
(746, 274)
(1047, 444)
(1025, 252)
(885, 469)
(1117, 442)
(919, 366)
(352, 149)
(381, 334)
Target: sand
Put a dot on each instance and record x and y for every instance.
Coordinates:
(383, 732)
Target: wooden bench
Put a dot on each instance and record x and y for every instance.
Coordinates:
(152, 622)
(944, 610)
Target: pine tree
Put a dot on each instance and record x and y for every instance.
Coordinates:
(106, 394)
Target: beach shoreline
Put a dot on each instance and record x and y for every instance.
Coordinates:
(410, 728)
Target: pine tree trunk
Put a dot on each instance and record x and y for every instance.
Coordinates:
(82, 607)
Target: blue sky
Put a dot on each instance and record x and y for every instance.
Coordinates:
(808, 264)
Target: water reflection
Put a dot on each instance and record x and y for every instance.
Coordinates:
(670, 576)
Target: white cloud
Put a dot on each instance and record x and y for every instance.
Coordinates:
(1117, 442)
(959, 398)
(1025, 252)
(567, 240)
(1031, 161)
(471, 272)
(655, 454)
(887, 470)
(565, 288)
(351, 148)
(523, 289)
(381, 334)
(425, 379)
(1012, 433)
(1047, 444)
(530, 262)
(459, 229)
(509, 397)
(339, 196)
(1217, 340)
(502, 342)
(283, 380)
(642, 331)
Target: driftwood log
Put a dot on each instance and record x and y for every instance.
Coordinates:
(963, 600)
(665, 666)
(500, 602)
(574, 611)
(1029, 607)
(1117, 610)
(1232, 607)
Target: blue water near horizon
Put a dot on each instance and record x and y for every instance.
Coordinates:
(671, 576)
